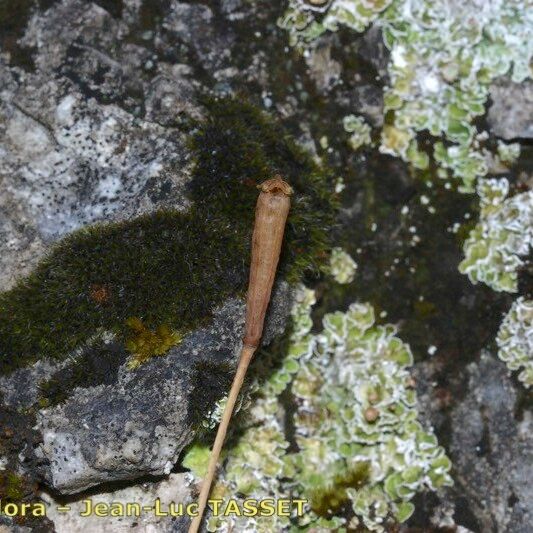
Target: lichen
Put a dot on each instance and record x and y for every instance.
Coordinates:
(359, 129)
(157, 267)
(356, 452)
(307, 20)
(498, 245)
(196, 460)
(342, 266)
(444, 55)
(508, 152)
(515, 340)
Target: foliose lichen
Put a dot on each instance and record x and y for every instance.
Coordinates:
(515, 340)
(356, 452)
(501, 241)
(359, 129)
(308, 19)
(444, 55)
(342, 266)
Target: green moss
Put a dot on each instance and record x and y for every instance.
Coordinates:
(169, 268)
(145, 343)
(238, 148)
(14, 18)
(156, 267)
(15, 15)
(210, 382)
(11, 487)
(328, 499)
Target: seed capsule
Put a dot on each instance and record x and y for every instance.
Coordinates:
(271, 214)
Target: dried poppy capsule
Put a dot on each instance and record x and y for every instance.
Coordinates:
(271, 214)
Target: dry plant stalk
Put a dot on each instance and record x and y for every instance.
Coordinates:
(270, 217)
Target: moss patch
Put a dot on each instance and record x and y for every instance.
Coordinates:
(168, 268)
(328, 499)
(210, 382)
(239, 147)
(11, 487)
(145, 343)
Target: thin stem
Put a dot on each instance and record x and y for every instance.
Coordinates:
(246, 355)
(271, 213)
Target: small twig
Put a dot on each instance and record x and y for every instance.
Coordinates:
(270, 217)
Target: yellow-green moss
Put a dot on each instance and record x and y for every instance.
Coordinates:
(145, 343)
(328, 499)
(11, 487)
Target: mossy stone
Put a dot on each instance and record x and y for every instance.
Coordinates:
(171, 268)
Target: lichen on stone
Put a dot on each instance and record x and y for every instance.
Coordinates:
(358, 453)
(359, 129)
(508, 152)
(515, 340)
(501, 241)
(342, 266)
(307, 20)
(444, 55)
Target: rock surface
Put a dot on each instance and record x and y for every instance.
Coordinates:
(176, 488)
(74, 149)
(492, 454)
(490, 445)
(511, 112)
(95, 100)
(139, 424)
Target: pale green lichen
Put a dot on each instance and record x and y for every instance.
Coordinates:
(342, 266)
(515, 340)
(444, 55)
(308, 19)
(196, 460)
(502, 239)
(359, 129)
(508, 152)
(359, 444)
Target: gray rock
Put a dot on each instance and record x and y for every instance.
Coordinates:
(176, 490)
(373, 49)
(139, 424)
(72, 149)
(367, 100)
(323, 69)
(192, 24)
(510, 115)
(492, 453)
(491, 448)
